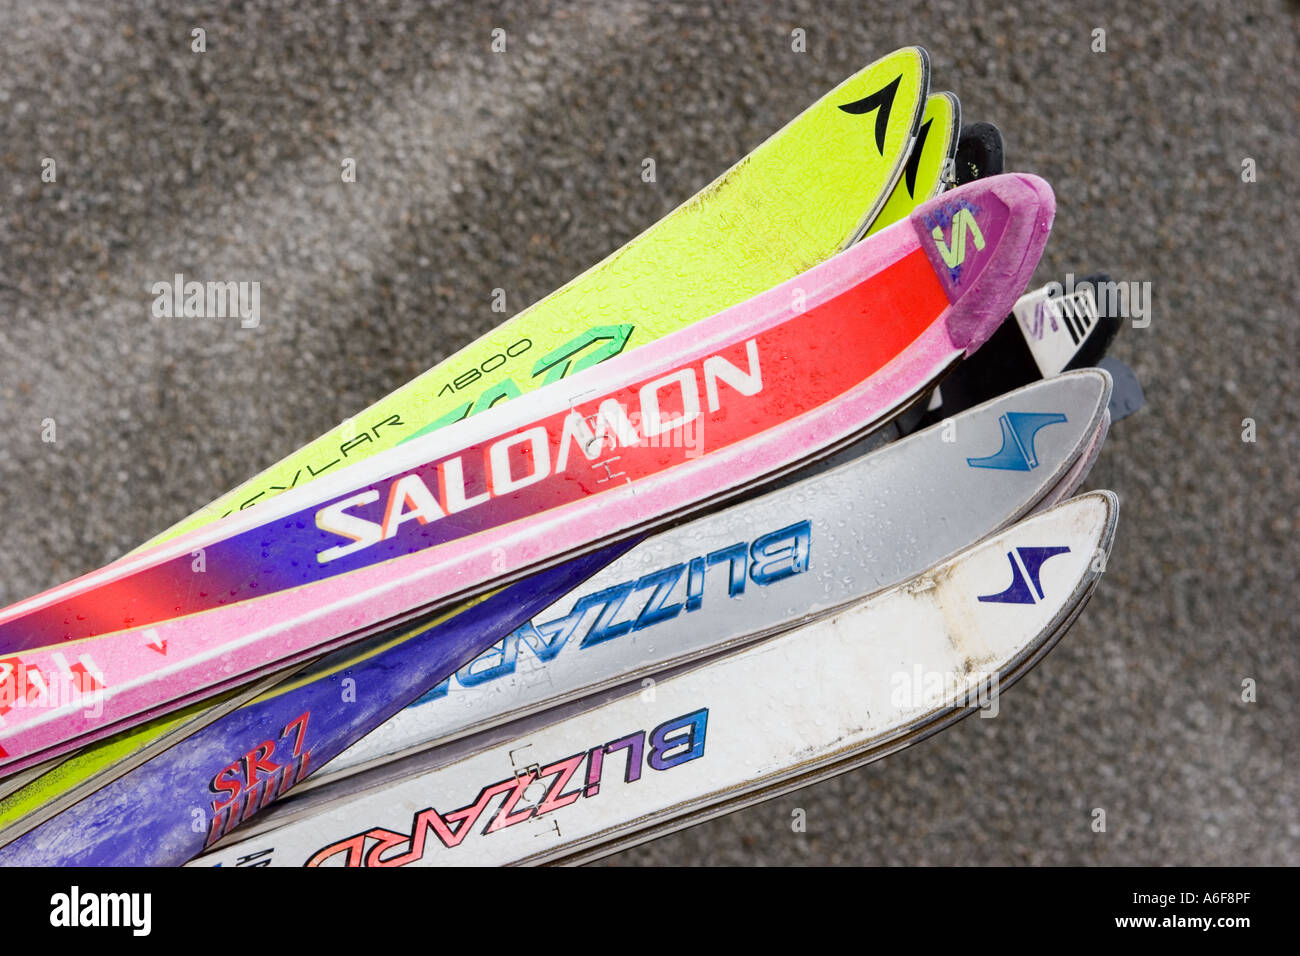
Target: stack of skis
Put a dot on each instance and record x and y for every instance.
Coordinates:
(737, 538)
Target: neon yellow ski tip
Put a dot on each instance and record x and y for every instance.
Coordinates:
(927, 171)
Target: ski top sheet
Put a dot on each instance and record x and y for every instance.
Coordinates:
(929, 167)
(768, 239)
(746, 394)
(842, 691)
(807, 192)
(980, 152)
(759, 566)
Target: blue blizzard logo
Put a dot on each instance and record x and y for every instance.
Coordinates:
(639, 603)
(1026, 588)
(102, 909)
(1017, 452)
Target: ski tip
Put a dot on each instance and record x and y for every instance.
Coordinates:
(1108, 503)
(979, 152)
(1098, 513)
(917, 54)
(923, 57)
(1099, 383)
(984, 240)
(1105, 501)
(1127, 396)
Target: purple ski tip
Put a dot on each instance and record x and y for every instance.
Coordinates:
(984, 240)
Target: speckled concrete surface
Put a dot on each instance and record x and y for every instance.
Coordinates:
(517, 171)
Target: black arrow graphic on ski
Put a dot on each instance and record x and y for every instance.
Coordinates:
(914, 161)
(882, 100)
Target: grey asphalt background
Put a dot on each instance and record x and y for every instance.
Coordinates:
(519, 170)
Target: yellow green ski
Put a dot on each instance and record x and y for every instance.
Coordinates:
(929, 169)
